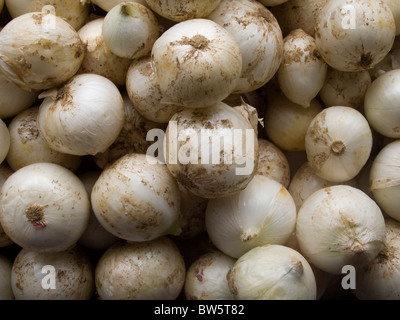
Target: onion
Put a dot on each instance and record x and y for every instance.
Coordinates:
(272, 2)
(130, 30)
(64, 113)
(338, 143)
(263, 213)
(39, 51)
(272, 272)
(197, 62)
(144, 91)
(381, 106)
(72, 11)
(28, 145)
(354, 35)
(272, 162)
(191, 135)
(5, 172)
(394, 6)
(206, 278)
(66, 275)
(150, 270)
(180, 10)
(107, 5)
(384, 179)
(98, 58)
(44, 207)
(260, 40)
(6, 292)
(136, 199)
(380, 279)
(5, 140)
(302, 72)
(338, 226)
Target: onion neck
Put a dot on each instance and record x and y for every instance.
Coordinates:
(35, 215)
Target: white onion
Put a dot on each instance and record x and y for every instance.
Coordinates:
(5, 140)
(144, 91)
(197, 63)
(381, 106)
(44, 207)
(338, 143)
(28, 146)
(394, 6)
(206, 278)
(345, 88)
(380, 279)
(107, 5)
(150, 270)
(272, 272)
(130, 30)
(384, 179)
(259, 36)
(354, 35)
(137, 200)
(338, 226)
(302, 72)
(70, 272)
(83, 117)
(6, 292)
(263, 213)
(5, 172)
(75, 12)
(180, 10)
(272, 2)
(98, 57)
(39, 51)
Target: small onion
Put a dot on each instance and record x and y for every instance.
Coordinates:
(28, 145)
(260, 40)
(345, 88)
(302, 72)
(338, 226)
(354, 35)
(206, 278)
(338, 143)
(394, 6)
(72, 11)
(39, 51)
(380, 279)
(6, 292)
(272, 2)
(130, 30)
(98, 58)
(107, 5)
(384, 179)
(197, 62)
(381, 105)
(272, 162)
(72, 271)
(150, 270)
(180, 10)
(144, 91)
(272, 272)
(263, 213)
(44, 207)
(5, 172)
(5, 140)
(136, 199)
(64, 114)
(286, 122)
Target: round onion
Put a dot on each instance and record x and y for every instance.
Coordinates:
(6, 292)
(5, 172)
(107, 5)
(5, 140)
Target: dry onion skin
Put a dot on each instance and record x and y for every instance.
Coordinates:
(27, 145)
(197, 62)
(380, 279)
(137, 199)
(72, 11)
(44, 207)
(39, 51)
(354, 35)
(338, 143)
(206, 277)
(263, 213)
(260, 40)
(150, 270)
(64, 113)
(384, 181)
(73, 275)
(272, 272)
(340, 225)
(98, 58)
(6, 292)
